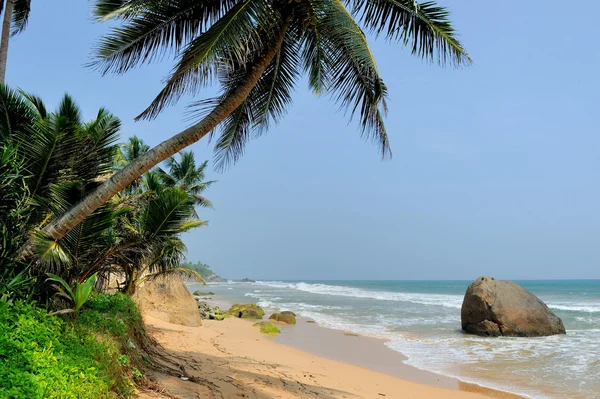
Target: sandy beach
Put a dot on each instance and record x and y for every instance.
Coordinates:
(232, 359)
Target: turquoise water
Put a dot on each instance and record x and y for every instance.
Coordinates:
(421, 319)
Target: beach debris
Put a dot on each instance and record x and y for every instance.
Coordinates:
(284, 317)
(267, 327)
(348, 334)
(246, 311)
(503, 308)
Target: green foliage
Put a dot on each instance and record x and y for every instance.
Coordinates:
(44, 357)
(267, 327)
(220, 41)
(137, 233)
(116, 315)
(202, 268)
(78, 295)
(15, 279)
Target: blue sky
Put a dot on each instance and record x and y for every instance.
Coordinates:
(496, 167)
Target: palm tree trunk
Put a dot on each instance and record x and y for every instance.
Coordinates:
(8, 10)
(63, 224)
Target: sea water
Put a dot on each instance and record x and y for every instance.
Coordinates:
(421, 319)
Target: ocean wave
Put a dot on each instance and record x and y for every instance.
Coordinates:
(576, 307)
(298, 307)
(445, 300)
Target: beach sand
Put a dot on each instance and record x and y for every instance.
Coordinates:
(232, 359)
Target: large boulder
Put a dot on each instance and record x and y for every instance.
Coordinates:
(503, 308)
(168, 299)
(246, 311)
(284, 317)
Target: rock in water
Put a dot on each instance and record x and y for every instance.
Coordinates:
(284, 317)
(503, 308)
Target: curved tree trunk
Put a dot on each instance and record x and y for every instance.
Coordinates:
(8, 10)
(60, 226)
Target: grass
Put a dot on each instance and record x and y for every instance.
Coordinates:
(42, 356)
(267, 327)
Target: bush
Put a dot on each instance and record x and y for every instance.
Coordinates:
(46, 357)
(267, 327)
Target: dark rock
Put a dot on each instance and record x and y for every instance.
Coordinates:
(210, 312)
(284, 317)
(503, 308)
(201, 293)
(245, 280)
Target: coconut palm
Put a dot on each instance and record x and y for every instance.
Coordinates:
(15, 19)
(127, 153)
(150, 243)
(257, 49)
(187, 176)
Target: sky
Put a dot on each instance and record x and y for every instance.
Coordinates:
(495, 167)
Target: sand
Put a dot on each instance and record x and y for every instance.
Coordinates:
(232, 359)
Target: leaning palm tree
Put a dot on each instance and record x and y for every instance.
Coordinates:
(257, 49)
(14, 21)
(187, 176)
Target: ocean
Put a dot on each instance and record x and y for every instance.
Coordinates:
(421, 319)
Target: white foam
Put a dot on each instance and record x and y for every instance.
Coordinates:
(449, 301)
(576, 307)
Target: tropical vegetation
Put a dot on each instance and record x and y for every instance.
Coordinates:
(48, 161)
(44, 357)
(80, 212)
(257, 50)
(135, 236)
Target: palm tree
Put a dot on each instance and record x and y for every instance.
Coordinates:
(150, 243)
(257, 49)
(185, 175)
(50, 161)
(16, 16)
(127, 153)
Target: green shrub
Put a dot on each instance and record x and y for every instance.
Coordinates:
(267, 327)
(46, 357)
(115, 314)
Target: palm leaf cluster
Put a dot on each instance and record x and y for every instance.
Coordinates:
(223, 40)
(51, 160)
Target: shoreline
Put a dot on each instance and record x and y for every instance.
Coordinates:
(372, 353)
(366, 352)
(231, 358)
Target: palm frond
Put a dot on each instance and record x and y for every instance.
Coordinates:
(37, 102)
(232, 40)
(152, 29)
(17, 113)
(267, 102)
(165, 214)
(354, 78)
(20, 16)
(425, 27)
(176, 271)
